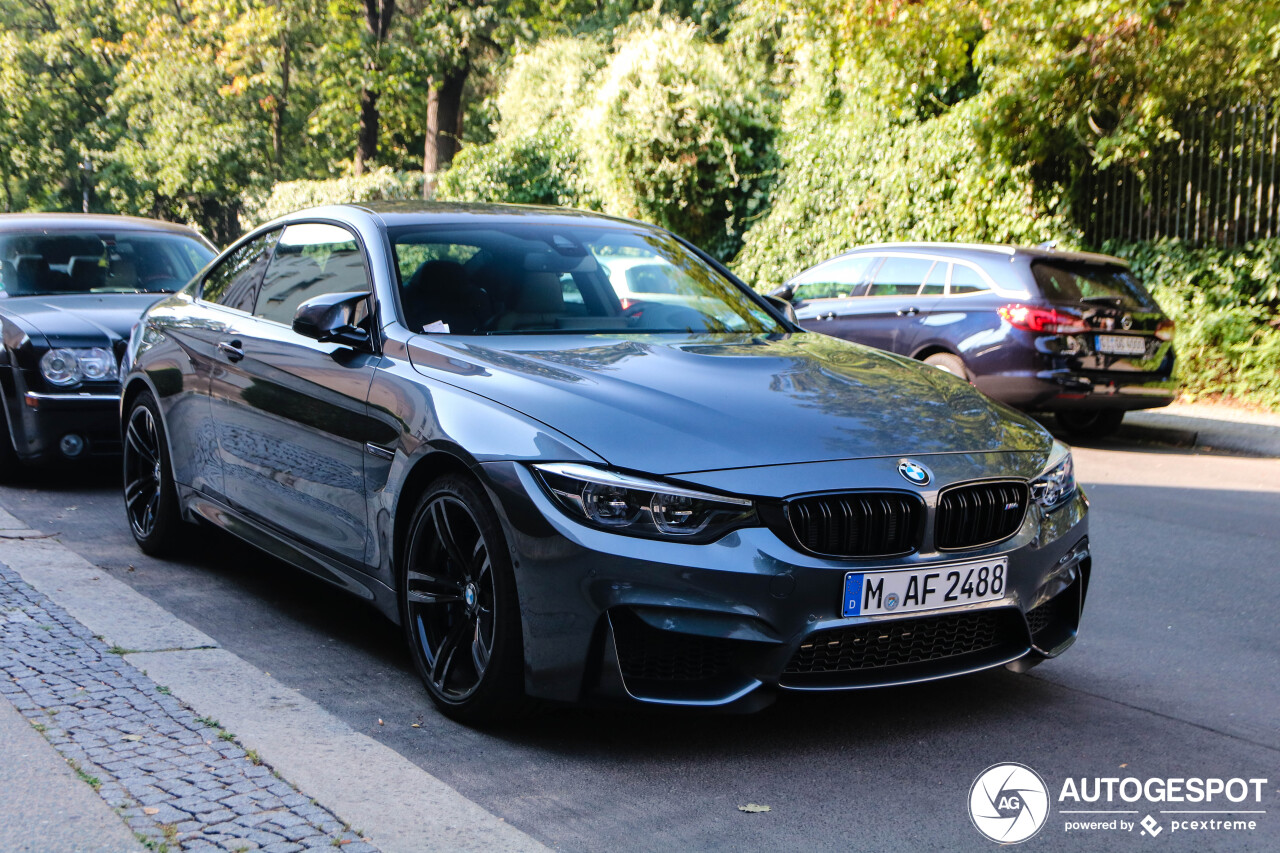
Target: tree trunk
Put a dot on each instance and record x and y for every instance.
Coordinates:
(282, 104)
(367, 138)
(444, 124)
(378, 14)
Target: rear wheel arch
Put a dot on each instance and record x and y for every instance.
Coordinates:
(932, 349)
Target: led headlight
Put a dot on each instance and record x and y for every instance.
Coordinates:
(1057, 483)
(636, 506)
(64, 367)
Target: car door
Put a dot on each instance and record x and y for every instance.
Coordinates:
(291, 411)
(826, 296)
(888, 317)
(225, 294)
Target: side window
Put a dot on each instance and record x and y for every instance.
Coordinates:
(966, 280)
(936, 282)
(900, 276)
(234, 282)
(836, 279)
(312, 258)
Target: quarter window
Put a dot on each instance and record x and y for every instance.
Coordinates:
(900, 276)
(966, 280)
(312, 258)
(234, 282)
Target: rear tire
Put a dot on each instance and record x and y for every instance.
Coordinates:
(951, 363)
(459, 607)
(1091, 423)
(150, 497)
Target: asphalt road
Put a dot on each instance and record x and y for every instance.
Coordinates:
(1176, 674)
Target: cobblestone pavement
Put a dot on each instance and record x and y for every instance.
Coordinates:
(178, 780)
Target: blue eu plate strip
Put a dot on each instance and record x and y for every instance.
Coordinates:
(852, 594)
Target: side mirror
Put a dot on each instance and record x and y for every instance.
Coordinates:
(330, 318)
(784, 306)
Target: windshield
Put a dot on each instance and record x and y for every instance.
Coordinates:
(520, 278)
(37, 264)
(1100, 284)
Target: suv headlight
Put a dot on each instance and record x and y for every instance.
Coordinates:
(1057, 483)
(66, 367)
(622, 503)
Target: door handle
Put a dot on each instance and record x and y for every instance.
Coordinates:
(908, 312)
(231, 349)
(830, 315)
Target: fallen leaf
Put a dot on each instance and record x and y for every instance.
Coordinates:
(151, 810)
(131, 737)
(1125, 764)
(380, 721)
(752, 808)
(414, 726)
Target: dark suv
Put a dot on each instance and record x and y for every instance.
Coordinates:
(1068, 332)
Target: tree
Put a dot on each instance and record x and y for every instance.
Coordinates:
(55, 74)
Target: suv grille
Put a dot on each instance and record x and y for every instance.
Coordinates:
(979, 514)
(857, 524)
(863, 647)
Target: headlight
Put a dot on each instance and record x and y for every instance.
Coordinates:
(1057, 484)
(70, 366)
(622, 503)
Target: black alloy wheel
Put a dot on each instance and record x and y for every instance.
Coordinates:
(150, 500)
(1091, 423)
(458, 604)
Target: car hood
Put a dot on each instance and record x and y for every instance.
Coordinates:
(81, 319)
(669, 404)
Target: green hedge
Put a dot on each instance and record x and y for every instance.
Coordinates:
(288, 196)
(543, 166)
(1226, 303)
(856, 175)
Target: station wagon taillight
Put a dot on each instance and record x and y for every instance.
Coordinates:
(1043, 320)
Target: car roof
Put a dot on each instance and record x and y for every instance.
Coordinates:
(985, 251)
(91, 221)
(420, 212)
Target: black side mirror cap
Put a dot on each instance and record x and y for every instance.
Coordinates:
(782, 305)
(330, 318)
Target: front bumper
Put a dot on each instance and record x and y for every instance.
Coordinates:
(40, 421)
(735, 621)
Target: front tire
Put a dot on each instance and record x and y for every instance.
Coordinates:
(150, 497)
(1091, 423)
(459, 606)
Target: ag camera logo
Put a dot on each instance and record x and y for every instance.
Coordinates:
(1008, 803)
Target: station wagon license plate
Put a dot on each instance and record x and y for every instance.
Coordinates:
(1122, 344)
(875, 593)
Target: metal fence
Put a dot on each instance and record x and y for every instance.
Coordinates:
(1216, 184)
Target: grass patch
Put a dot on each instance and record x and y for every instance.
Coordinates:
(92, 781)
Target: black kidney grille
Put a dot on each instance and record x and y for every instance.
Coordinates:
(862, 647)
(857, 524)
(649, 654)
(979, 514)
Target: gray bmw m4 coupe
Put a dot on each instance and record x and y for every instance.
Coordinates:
(577, 460)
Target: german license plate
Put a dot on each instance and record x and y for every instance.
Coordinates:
(874, 593)
(1122, 344)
